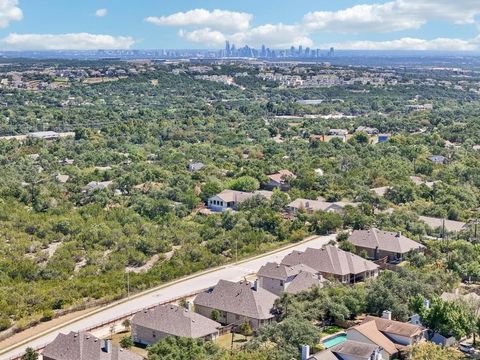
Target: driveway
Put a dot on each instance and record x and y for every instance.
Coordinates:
(163, 294)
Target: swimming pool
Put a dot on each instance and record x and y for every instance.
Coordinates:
(334, 340)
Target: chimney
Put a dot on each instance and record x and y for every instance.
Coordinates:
(188, 305)
(399, 234)
(305, 352)
(108, 346)
(387, 314)
(255, 285)
(426, 303)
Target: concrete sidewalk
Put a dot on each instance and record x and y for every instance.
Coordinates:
(162, 294)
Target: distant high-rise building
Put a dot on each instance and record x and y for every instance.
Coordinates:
(227, 48)
(331, 52)
(263, 53)
(300, 50)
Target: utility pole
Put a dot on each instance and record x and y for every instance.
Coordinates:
(236, 250)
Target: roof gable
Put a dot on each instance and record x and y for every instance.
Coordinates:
(238, 298)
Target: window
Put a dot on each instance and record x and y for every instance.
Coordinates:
(237, 317)
(281, 282)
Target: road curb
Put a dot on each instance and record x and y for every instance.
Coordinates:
(149, 291)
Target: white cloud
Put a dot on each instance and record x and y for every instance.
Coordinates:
(9, 11)
(73, 41)
(101, 12)
(216, 19)
(205, 36)
(439, 44)
(392, 16)
(274, 36)
(213, 28)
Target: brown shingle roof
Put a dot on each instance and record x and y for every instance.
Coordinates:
(394, 327)
(371, 332)
(331, 260)
(238, 298)
(84, 346)
(172, 320)
(384, 241)
(280, 176)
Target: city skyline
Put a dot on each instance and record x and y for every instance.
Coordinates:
(350, 25)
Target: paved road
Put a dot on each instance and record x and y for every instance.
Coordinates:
(165, 294)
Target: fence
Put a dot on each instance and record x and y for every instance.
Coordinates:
(117, 319)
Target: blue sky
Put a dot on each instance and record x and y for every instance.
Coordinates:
(345, 24)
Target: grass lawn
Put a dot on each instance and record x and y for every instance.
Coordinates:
(225, 341)
(116, 338)
(330, 330)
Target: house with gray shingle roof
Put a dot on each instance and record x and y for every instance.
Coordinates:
(350, 350)
(151, 326)
(331, 261)
(237, 302)
(379, 244)
(84, 346)
(449, 225)
(310, 206)
(279, 278)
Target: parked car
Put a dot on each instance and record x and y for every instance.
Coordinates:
(466, 348)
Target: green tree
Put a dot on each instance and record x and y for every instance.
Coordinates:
(30, 354)
(430, 351)
(446, 317)
(244, 183)
(176, 348)
(126, 342)
(323, 223)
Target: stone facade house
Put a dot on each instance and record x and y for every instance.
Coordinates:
(237, 302)
(331, 261)
(280, 278)
(379, 244)
(151, 326)
(84, 346)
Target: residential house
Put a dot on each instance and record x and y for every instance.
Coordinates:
(380, 191)
(230, 199)
(437, 159)
(338, 132)
(368, 130)
(419, 181)
(379, 244)
(62, 179)
(237, 302)
(195, 166)
(151, 326)
(471, 299)
(439, 223)
(392, 336)
(84, 346)
(97, 185)
(311, 206)
(331, 261)
(279, 278)
(280, 180)
(350, 350)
